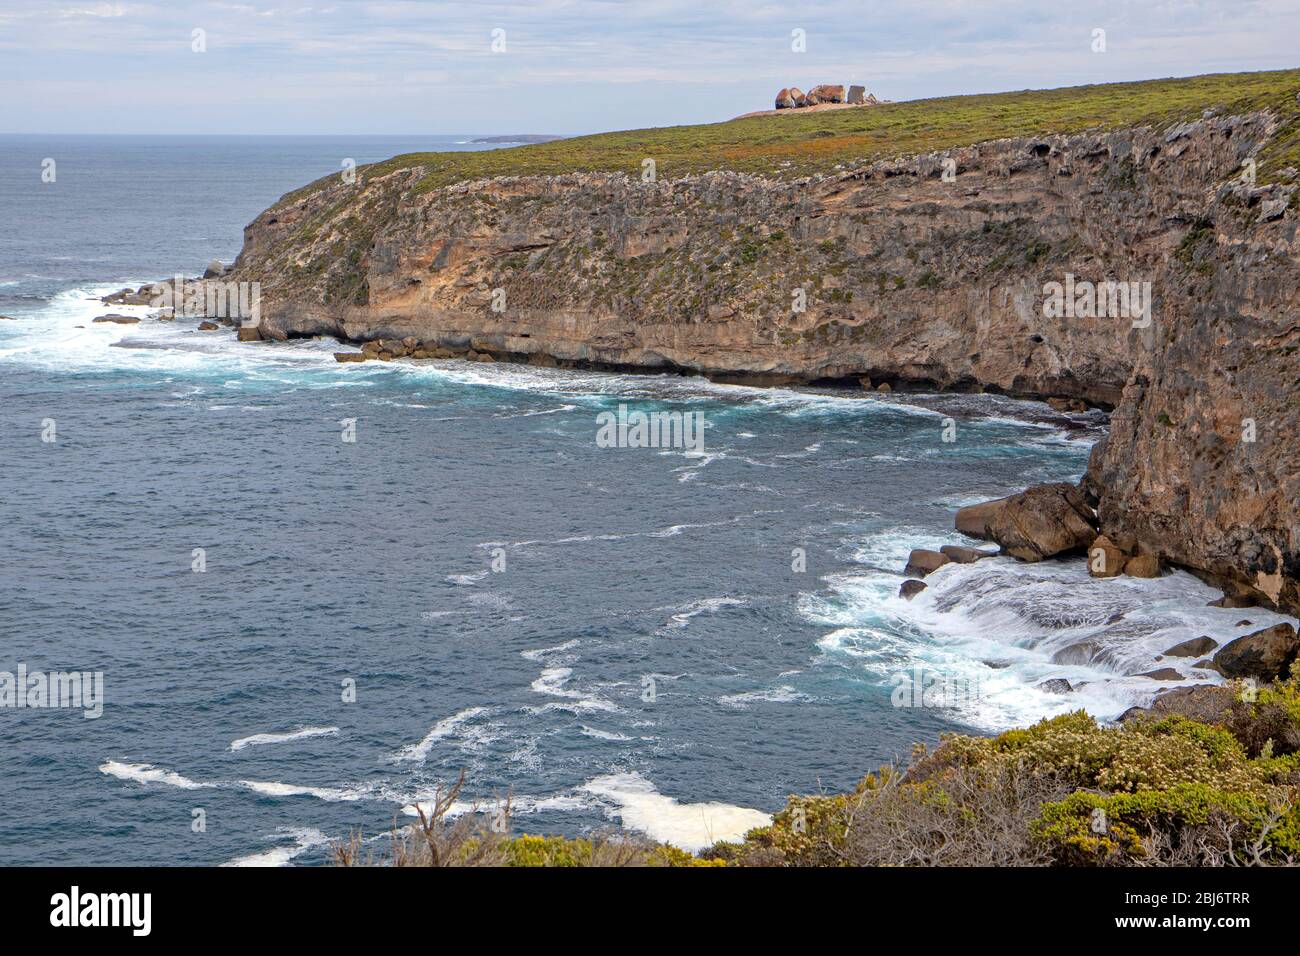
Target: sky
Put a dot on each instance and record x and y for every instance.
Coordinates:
(574, 66)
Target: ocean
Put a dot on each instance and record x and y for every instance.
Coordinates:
(301, 636)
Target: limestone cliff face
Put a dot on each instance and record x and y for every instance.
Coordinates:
(896, 271)
(1200, 463)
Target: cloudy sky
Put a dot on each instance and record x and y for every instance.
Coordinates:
(415, 66)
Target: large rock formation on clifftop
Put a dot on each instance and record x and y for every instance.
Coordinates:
(925, 270)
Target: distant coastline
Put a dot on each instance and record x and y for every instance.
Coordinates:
(520, 138)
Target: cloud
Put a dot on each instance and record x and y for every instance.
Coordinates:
(578, 65)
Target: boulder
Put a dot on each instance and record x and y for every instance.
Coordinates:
(911, 589)
(117, 319)
(784, 100)
(1057, 685)
(1142, 565)
(1105, 559)
(825, 93)
(1038, 523)
(250, 333)
(856, 94)
(1265, 655)
(883, 388)
(1196, 647)
(799, 97)
(959, 555)
(921, 562)
(1162, 673)
(865, 383)
(350, 356)
(215, 270)
(208, 326)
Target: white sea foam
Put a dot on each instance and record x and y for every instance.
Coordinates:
(304, 839)
(597, 734)
(703, 606)
(471, 578)
(274, 788)
(783, 694)
(540, 654)
(520, 805)
(1005, 627)
(554, 683)
(443, 729)
(257, 740)
(691, 826)
(144, 773)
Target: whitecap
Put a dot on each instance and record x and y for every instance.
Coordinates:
(144, 773)
(257, 740)
(440, 731)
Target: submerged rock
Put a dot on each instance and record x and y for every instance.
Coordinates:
(1056, 685)
(1039, 523)
(117, 319)
(911, 589)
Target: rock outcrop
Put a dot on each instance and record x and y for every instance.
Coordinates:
(1042, 522)
(794, 98)
(825, 93)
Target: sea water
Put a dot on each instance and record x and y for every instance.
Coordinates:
(301, 636)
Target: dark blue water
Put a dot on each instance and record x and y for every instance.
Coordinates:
(618, 571)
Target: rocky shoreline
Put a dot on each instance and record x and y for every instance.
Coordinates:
(1058, 522)
(915, 272)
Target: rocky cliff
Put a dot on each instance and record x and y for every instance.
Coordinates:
(925, 270)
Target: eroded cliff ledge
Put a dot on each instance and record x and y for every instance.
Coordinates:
(927, 270)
